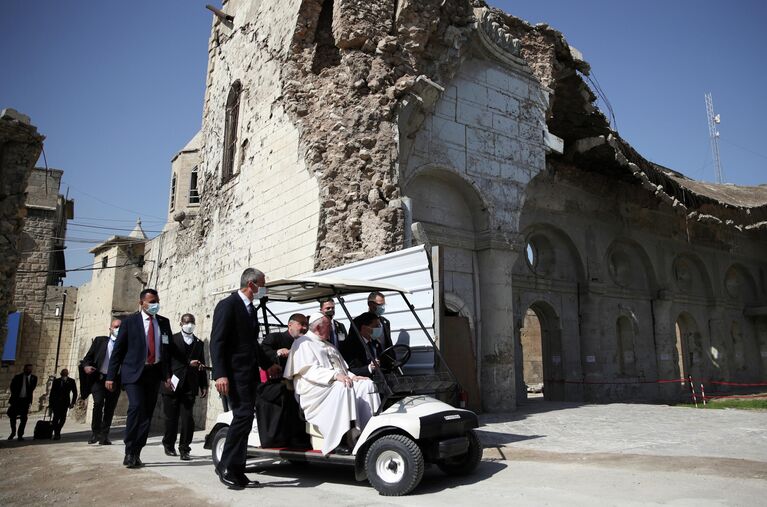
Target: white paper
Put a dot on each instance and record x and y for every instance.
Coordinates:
(174, 382)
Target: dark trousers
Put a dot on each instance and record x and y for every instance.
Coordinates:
(104, 403)
(19, 410)
(142, 397)
(178, 406)
(242, 399)
(59, 418)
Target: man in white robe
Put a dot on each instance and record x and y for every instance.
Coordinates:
(332, 398)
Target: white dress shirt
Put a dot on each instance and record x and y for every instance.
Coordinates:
(110, 347)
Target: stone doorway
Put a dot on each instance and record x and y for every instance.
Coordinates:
(540, 362)
(689, 348)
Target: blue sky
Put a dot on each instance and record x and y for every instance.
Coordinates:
(117, 89)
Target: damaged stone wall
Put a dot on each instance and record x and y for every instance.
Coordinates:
(20, 147)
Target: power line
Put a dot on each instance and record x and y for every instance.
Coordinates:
(77, 269)
(111, 204)
(109, 228)
(101, 219)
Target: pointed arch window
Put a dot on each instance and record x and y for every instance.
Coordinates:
(230, 131)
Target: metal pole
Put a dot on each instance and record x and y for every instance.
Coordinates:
(61, 326)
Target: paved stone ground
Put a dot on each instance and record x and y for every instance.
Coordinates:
(542, 454)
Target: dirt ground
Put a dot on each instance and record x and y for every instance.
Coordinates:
(65, 473)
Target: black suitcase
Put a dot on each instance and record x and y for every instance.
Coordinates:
(43, 428)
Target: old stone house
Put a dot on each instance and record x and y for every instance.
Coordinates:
(337, 130)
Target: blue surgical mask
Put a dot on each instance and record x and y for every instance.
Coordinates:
(115, 331)
(380, 310)
(377, 333)
(152, 308)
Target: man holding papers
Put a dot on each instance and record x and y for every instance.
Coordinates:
(189, 378)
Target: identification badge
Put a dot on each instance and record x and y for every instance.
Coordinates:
(164, 339)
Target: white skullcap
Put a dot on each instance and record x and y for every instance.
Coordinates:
(315, 317)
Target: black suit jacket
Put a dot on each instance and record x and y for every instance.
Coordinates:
(340, 331)
(386, 332)
(234, 348)
(355, 355)
(275, 341)
(94, 357)
(130, 351)
(16, 383)
(191, 380)
(63, 393)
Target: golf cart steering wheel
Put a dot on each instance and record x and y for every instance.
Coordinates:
(395, 356)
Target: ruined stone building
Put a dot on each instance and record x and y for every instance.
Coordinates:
(337, 130)
(43, 308)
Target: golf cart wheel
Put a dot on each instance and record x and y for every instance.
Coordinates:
(465, 463)
(394, 465)
(217, 447)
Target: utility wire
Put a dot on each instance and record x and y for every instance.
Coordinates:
(108, 228)
(77, 269)
(112, 205)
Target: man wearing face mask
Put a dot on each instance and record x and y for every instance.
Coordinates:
(362, 355)
(187, 357)
(140, 354)
(377, 305)
(63, 397)
(337, 329)
(95, 365)
(236, 356)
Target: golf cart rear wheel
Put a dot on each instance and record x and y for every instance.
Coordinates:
(465, 463)
(394, 465)
(217, 447)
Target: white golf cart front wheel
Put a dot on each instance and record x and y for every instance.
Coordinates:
(394, 465)
(217, 447)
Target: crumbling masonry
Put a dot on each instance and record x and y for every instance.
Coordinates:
(336, 130)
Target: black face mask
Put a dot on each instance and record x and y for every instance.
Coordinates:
(329, 313)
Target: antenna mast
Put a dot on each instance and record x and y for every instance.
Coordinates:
(713, 133)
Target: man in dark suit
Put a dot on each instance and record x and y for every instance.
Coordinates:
(377, 305)
(95, 366)
(277, 345)
(140, 355)
(187, 357)
(362, 356)
(63, 397)
(22, 387)
(337, 329)
(236, 356)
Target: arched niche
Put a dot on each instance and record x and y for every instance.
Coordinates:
(689, 347)
(690, 276)
(739, 285)
(549, 253)
(629, 267)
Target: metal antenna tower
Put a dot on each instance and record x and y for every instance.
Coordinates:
(713, 133)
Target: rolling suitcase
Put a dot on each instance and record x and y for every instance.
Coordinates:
(43, 428)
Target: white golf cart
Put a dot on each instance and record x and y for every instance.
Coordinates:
(416, 424)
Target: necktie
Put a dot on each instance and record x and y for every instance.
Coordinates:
(252, 313)
(150, 342)
(333, 336)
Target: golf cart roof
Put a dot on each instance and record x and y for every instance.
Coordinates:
(317, 287)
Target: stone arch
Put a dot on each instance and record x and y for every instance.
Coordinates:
(423, 187)
(554, 254)
(739, 284)
(626, 261)
(540, 344)
(454, 303)
(690, 275)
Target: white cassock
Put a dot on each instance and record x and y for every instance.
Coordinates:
(312, 366)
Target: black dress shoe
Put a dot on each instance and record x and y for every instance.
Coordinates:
(185, 456)
(137, 463)
(105, 441)
(20, 439)
(228, 481)
(243, 481)
(94, 438)
(11, 436)
(170, 451)
(342, 450)
(128, 460)
(57, 437)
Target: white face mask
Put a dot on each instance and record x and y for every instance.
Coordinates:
(188, 328)
(261, 293)
(115, 331)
